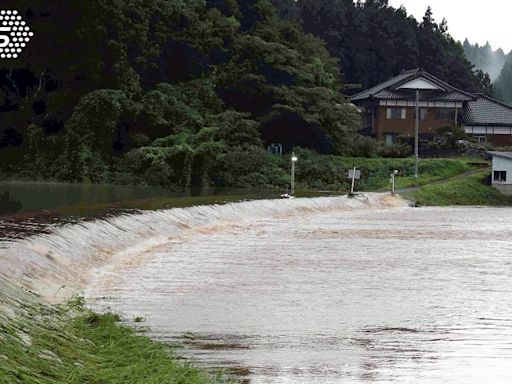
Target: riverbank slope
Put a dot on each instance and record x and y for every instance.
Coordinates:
(68, 344)
(459, 191)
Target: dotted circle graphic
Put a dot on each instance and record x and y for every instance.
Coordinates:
(15, 32)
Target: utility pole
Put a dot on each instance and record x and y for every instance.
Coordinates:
(292, 182)
(416, 134)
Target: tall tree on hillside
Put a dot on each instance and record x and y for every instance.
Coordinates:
(286, 80)
(445, 58)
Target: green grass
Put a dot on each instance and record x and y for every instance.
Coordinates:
(330, 172)
(464, 191)
(72, 345)
(431, 171)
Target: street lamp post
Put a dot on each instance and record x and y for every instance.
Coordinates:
(292, 182)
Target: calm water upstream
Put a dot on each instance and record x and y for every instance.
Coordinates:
(363, 296)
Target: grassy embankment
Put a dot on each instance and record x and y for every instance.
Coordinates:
(42, 344)
(441, 180)
(469, 190)
(330, 172)
(316, 175)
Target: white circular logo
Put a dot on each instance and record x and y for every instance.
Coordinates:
(14, 34)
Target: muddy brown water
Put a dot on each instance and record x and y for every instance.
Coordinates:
(407, 295)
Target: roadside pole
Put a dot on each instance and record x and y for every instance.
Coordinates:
(395, 172)
(353, 181)
(416, 134)
(292, 180)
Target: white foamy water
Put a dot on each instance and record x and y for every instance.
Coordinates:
(332, 296)
(329, 290)
(58, 264)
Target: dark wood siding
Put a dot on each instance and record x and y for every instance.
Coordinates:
(405, 127)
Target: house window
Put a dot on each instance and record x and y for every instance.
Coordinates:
(482, 140)
(500, 176)
(391, 138)
(445, 114)
(396, 113)
(423, 113)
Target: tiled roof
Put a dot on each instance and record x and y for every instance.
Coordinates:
(487, 112)
(437, 96)
(388, 90)
(380, 87)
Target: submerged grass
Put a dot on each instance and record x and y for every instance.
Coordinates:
(69, 344)
(470, 190)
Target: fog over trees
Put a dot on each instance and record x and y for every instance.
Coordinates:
(485, 58)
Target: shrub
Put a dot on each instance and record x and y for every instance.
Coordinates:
(395, 151)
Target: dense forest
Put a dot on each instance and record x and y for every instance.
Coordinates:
(190, 92)
(374, 41)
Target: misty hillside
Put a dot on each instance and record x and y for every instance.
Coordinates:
(503, 84)
(497, 64)
(485, 58)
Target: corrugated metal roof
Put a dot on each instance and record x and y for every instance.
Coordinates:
(487, 112)
(507, 155)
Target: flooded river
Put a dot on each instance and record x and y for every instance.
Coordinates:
(373, 295)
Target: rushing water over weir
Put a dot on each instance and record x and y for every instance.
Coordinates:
(328, 290)
(57, 264)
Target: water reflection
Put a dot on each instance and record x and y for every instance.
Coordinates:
(8, 205)
(34, 196)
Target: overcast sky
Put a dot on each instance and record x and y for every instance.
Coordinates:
(478, 20)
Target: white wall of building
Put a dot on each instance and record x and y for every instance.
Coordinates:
(504, 165)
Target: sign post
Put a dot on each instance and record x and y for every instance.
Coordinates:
(353, 174)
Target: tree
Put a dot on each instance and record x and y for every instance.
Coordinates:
(92, 134)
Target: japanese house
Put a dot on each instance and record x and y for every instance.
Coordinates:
(389, 110)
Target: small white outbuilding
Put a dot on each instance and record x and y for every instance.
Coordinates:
(502, 171)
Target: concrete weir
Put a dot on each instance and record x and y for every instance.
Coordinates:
(58, 265)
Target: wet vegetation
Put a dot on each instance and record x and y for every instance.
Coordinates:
(70, 344)
(330, 172)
